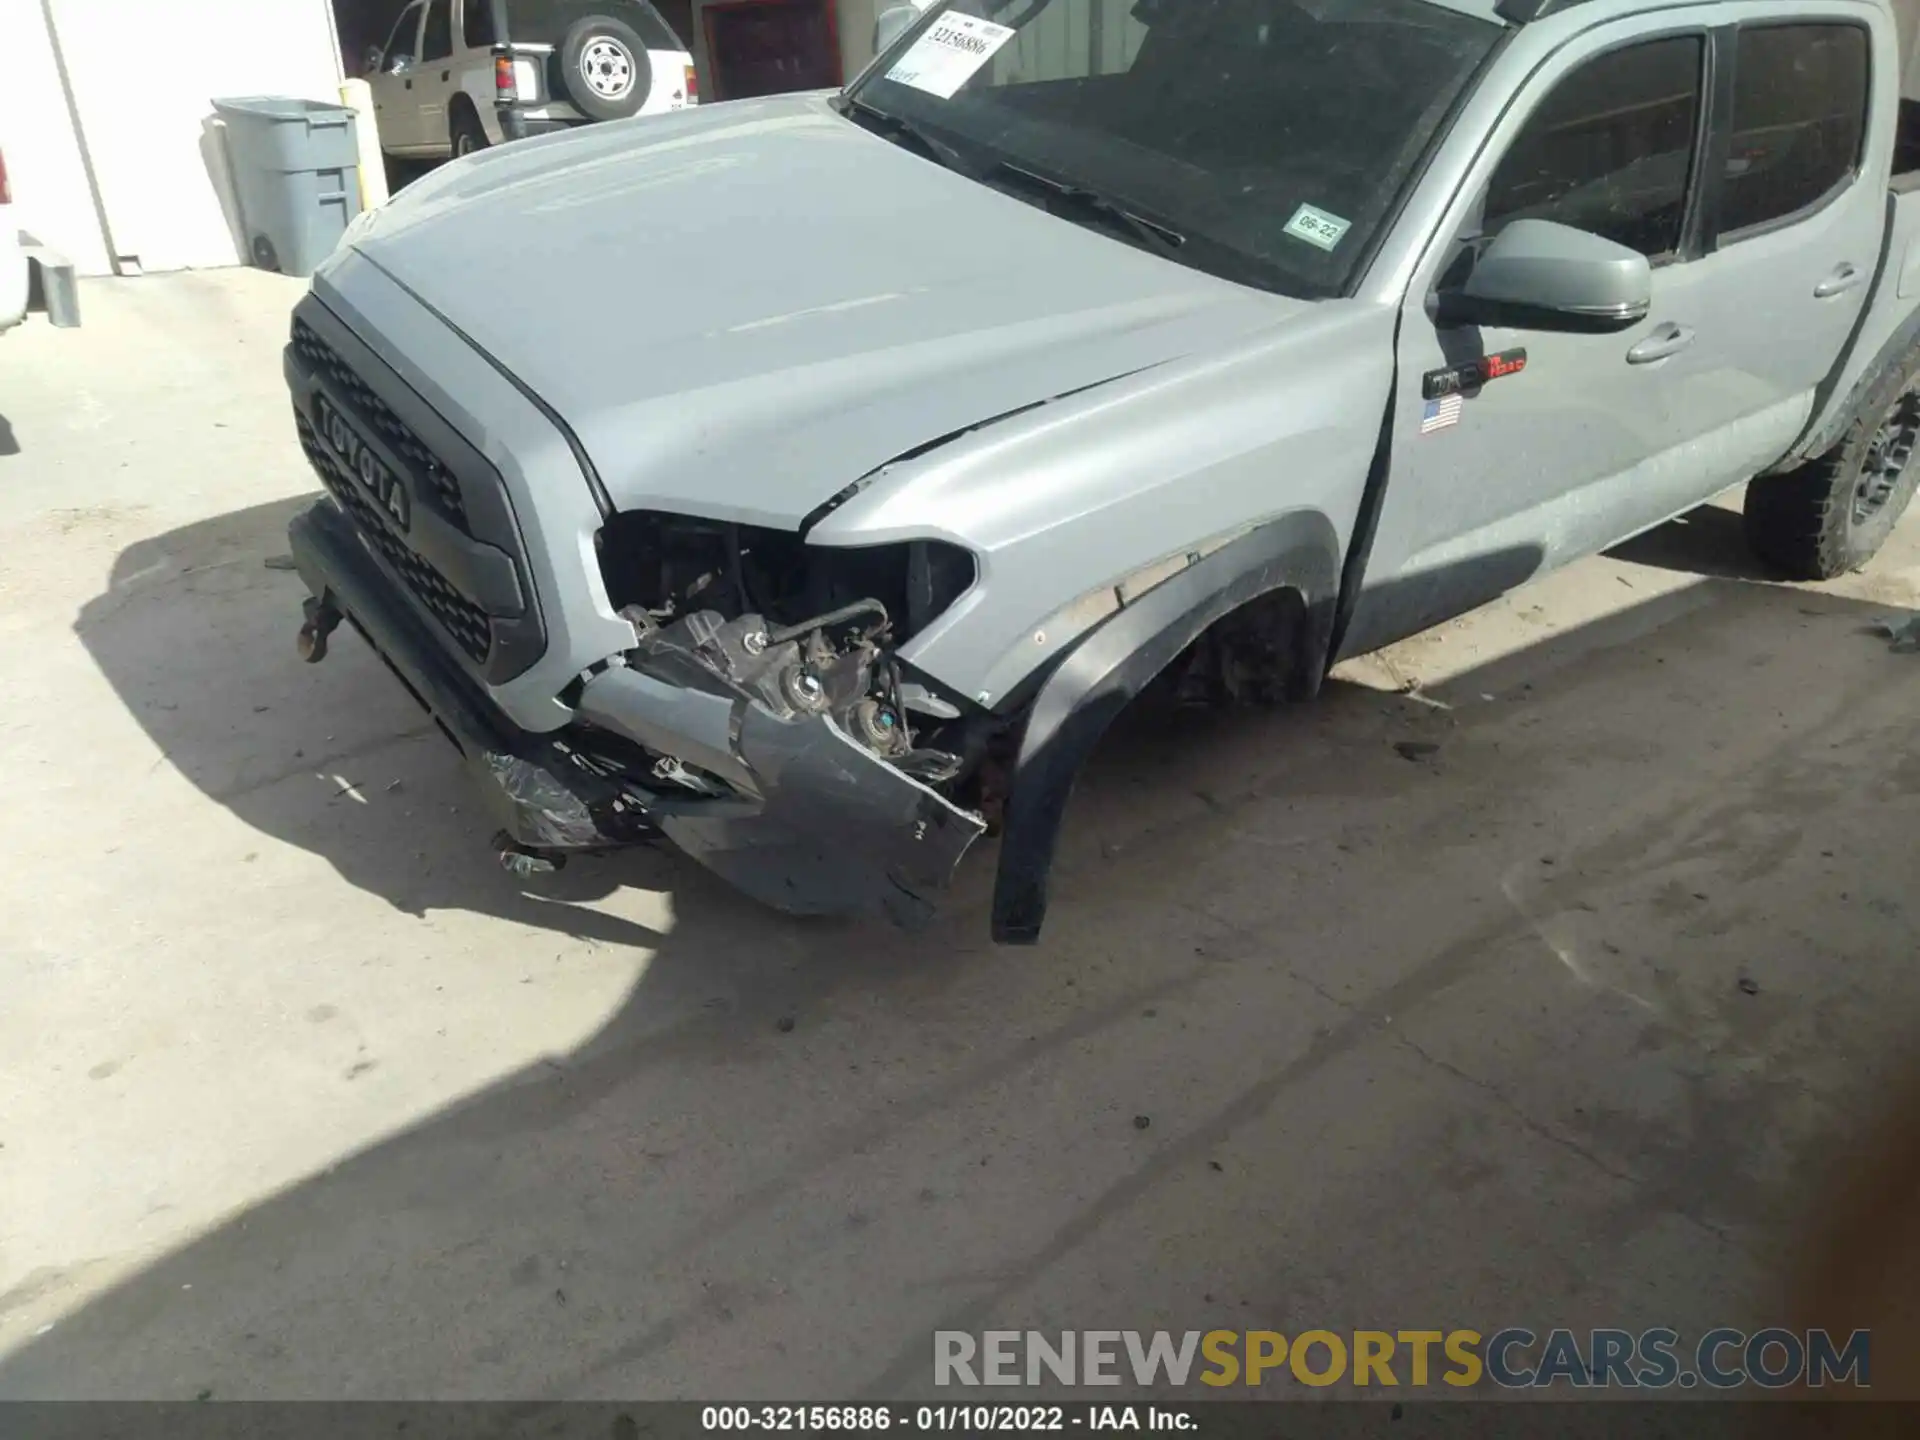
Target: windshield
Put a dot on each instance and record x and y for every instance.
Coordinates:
(1272, 137)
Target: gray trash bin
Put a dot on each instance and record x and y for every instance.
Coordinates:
(296, 174)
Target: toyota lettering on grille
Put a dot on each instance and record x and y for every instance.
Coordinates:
(386, 489)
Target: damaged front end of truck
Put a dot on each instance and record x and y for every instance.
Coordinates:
(818, 575)
(762, 721)
(785, 744)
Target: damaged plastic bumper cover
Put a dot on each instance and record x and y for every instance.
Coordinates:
(807, 821)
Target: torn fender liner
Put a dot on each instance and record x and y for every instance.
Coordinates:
(1114, 663)
(839, 831)
(690, 725)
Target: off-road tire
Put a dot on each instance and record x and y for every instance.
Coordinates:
(1832, 514)
(466, 132)
(603, 67)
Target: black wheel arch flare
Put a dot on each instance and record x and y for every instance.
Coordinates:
(1113, 663)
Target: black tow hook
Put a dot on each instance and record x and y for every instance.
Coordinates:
(322, 619)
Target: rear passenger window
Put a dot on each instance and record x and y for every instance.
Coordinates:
(436, 41)
(1799, 117)
(1610, 151)
(478, 24)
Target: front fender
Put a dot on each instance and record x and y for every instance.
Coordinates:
(1117, 660)
(1101, 490)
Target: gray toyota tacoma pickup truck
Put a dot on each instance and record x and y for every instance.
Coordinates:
(808, 481)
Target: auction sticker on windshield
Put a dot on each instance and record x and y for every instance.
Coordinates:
(946, 57)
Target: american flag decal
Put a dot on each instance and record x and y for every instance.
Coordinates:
(1441, 413)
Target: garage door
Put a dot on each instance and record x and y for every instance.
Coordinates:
(144, 76)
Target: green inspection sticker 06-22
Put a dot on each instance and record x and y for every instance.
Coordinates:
(1317, 227)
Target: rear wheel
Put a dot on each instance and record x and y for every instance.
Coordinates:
(604, 68)
(468, 133)
(1832, 514)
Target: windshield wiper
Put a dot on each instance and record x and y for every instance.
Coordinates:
(1162, 240)
(898, 128)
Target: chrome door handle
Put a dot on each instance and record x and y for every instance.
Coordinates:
(1844, 278)
(1669, 339)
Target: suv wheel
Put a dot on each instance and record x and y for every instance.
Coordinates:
(468, 134)
(604, 68)
(1832, 514)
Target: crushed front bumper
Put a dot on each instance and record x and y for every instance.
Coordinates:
(814, 823)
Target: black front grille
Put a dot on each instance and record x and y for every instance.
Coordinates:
(465, 621)
(443, 486)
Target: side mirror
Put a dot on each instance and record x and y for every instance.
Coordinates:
(1539, 275)
(372, 65)
(894, 22)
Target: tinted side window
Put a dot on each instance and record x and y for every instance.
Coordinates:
(477, 22)
(1611, 149)
(436, 41)
(1799, 116)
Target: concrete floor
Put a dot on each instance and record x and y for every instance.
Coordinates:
(301, 1096)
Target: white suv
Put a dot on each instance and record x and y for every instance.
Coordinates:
(455, 76)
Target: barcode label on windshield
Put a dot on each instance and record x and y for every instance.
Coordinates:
(1317, 227)
(948, 55)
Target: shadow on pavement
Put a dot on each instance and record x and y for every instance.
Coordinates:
(196, 635)
(1393, 1006)
(1709, 540)
(9, 444)
(402, 171)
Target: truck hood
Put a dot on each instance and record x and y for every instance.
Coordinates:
(742, 309)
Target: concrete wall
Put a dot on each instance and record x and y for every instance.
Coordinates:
(1907, 13)
(1084, 37)
(142, 78)
(43, 156)
(1077, 38)
(856, 19)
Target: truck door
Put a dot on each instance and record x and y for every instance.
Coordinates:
(394, 108)
(436, 79)
(1586, 439)
(1797, 226)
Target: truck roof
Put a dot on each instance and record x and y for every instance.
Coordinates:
(1512, 12)
(1906, 16)
(1521, 12)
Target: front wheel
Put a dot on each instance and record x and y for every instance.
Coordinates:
(1832, 514)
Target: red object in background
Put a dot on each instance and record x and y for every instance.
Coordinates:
(772, 47)
(693, 84)
(503, 81)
